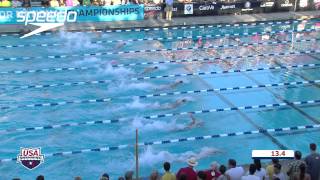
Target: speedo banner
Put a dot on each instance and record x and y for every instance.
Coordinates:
(71, 14)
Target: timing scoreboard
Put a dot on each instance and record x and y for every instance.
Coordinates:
(272, 154)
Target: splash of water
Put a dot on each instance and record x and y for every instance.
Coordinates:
(120, 72)
(136, 104)
(74, 41)
(150, 157)
(152, 125)
(88, 61)
(124, 86)
(4, 118)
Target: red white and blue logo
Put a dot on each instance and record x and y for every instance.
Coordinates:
(30, 158)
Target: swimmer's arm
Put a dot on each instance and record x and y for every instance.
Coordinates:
(174, 85)
(192, 118)
(146, 70)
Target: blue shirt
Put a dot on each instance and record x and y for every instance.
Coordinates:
(169, 2)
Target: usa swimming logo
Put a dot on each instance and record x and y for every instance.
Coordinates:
(30, 158)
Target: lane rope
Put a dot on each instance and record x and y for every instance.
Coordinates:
(287, 22)
(52, 104)
(229, 88)
(138, 40)
(170, 141)
(62, 69)
(113, 121)
(94, 54)
(95, 82)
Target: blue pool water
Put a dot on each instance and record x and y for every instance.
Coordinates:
(18, 89)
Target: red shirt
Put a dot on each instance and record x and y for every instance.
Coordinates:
(210, 177)
(189, 172)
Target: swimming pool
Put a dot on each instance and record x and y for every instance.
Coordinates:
(75, 94)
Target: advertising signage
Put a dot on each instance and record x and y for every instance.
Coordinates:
(71, 14)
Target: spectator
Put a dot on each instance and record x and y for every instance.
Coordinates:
(294, 166)
(213, 173)
(128, 175)
(313, 163)
(168, 9)
(223, 175)
(189, 171)
(40, 177)
(270, 169)
(121, 178)
(154, 175)
(68, 3)
(116, 2)
(202, 175)
(104, 176)
(251, 176)
(95, 2)
(45, 3)
(260, 172)
(54, 3)
(71, 3)
(234, 172)
(124, 2)
(5, 3)
(278, 173)
(302, 175)
(16, 3)
(75, 3)
(168, 175)
(61, 3)
(26, 3)
(16, 179)
(86, 2)
(106, 2)
(77, 178)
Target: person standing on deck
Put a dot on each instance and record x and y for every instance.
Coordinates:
(168, 9)
(189, 172)
(313, 163)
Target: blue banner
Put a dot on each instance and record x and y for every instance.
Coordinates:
(71, 14)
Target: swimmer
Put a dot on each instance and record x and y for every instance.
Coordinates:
(176, 104)
(173, 56)
(237, 39)
(171, 86)
(120, 45)
(149, 69)
(194, 123)
(175, 84)
(158, 45)
(98, 33)
(200, 43)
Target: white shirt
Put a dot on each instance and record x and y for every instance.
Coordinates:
(262, 173)
(281, 176)
(250, 177)
(235, 173)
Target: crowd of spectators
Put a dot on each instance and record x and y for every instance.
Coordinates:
(298, 169)
(63, 3)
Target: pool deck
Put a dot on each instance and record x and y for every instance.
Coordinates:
(175, 21)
